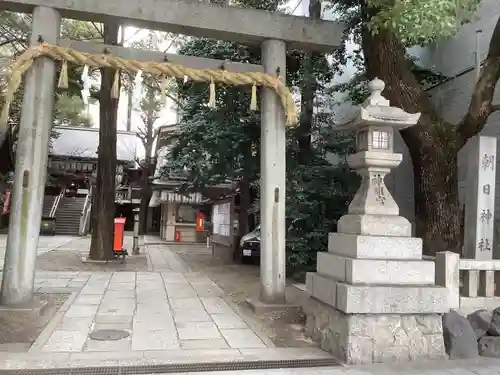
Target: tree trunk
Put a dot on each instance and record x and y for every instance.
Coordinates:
(307, 91)
(245, 206)
(433, 145)
(438, 216)
(103, 208)
(145, 197)
(146, 191)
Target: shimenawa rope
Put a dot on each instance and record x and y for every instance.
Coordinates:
(161, 70)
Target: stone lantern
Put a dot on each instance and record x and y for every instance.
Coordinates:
(375, 126)
(373, 297)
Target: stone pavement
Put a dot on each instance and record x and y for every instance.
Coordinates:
(45, 244)
(168, 308)
(160, 310)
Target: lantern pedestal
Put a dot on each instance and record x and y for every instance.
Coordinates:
(373, 298)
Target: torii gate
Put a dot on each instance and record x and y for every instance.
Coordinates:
(273, 31)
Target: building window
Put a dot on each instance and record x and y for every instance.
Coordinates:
(380, 140)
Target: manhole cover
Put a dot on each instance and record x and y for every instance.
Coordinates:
(108, 335)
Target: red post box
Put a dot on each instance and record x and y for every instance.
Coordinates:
(119, 232)
(200, 222)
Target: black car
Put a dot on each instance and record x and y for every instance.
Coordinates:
(250, 245)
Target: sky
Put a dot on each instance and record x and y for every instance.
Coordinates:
(168, 115)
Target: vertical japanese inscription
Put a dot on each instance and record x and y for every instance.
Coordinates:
(484, 244)
(486, 216)
(488, 161)
(378, 183)
(480, 198)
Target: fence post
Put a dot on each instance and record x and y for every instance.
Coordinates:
(448, 276)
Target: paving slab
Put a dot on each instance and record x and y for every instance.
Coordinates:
(242, 338)
(198, 331)
(204, 344)
(65, 341)
(229, 321)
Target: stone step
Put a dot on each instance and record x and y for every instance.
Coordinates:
(376, 271)
(378, 299)
(375, 247)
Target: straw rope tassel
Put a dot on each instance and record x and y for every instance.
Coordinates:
(253, 101)
(115, 89)
(63, 76)
(211, 99)
(163, 89)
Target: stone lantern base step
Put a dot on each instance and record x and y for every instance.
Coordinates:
(375, 247)
(378, 299)
(374, 225)
(376, 271)
(366, 338)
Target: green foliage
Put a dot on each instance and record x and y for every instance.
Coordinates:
(422, 21)
(318, 194)
(70, 111)
(356, 88)
(217, 144)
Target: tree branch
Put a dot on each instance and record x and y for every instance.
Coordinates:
(99, 30)
(480, 106)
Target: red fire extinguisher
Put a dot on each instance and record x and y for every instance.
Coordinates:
(177, 236)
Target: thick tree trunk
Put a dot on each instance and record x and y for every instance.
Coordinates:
(438, 215)
(103, 207)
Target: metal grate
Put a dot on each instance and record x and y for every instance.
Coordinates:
(178, 367)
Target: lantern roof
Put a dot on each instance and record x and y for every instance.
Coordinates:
(376, 110)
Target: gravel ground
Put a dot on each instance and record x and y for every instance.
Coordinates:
(18, 329)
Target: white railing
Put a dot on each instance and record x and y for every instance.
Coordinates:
(85, 214)
(470, 282)
(58, 199)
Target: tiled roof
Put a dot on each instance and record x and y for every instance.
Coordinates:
(83, 143)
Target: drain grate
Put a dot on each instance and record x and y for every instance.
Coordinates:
(178, 367)
(108, 334)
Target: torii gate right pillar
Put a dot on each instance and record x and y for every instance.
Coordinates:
(272, 180)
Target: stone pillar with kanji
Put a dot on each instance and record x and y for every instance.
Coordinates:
(373, 297)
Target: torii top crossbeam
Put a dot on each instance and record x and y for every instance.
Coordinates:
(196, 18)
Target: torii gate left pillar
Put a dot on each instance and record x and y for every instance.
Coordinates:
(31, 165)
